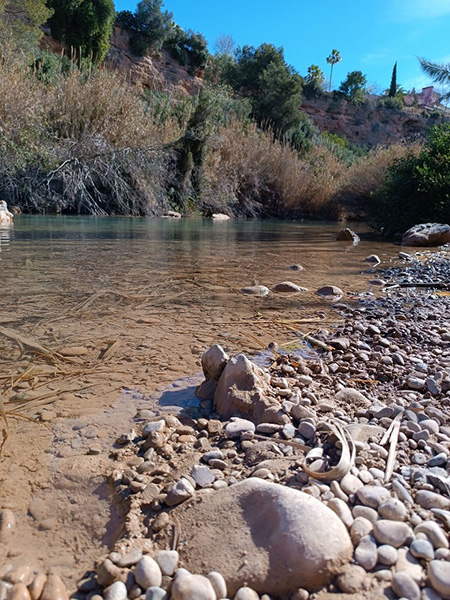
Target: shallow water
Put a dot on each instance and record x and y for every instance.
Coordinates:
(161, 291)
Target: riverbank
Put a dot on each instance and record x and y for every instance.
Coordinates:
(392, 350)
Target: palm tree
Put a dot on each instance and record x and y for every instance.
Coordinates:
(334, 58)
(440, 74)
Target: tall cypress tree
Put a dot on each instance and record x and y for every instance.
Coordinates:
(393, 88)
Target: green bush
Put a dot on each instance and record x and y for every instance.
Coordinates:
(417, 189)
(85, 26)
(394, 103)
(188, 48)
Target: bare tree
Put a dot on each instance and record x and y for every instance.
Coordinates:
(224, 45)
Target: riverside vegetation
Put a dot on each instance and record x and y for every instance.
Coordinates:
(78, 139)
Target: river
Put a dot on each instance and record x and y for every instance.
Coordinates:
(134, 303)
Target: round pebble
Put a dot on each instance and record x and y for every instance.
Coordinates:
(405, 587)
(148, 573)
(439, 575)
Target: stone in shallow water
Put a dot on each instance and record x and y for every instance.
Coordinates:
(288, 287)
(255, 290)
(330, 292)
(278, 528)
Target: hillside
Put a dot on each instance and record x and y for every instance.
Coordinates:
(369, 125)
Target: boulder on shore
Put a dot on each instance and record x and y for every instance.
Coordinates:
(427, 234)
(277, 539)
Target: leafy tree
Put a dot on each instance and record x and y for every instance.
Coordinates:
(353, 87)
(393, 87)
(440, 74)
(84, 25)
(188, 47)
(20, 22)
(417, 189)
(155, 25)
(274, 88)
(332, 60)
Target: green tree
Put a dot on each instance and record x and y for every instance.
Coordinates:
(417, 189)
(313, 86)
(333, 59)
(150, 20)
(393, 87)
(188, 47)
(84, 25)
(20, 22)
(353, 87)
(274, 88)
(439, 73)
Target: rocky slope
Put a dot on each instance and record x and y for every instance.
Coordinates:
(370, 124)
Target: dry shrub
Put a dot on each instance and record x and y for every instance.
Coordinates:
(364, 177)
(249, 173)
(103, 105)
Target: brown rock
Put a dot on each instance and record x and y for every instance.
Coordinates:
(54, 589)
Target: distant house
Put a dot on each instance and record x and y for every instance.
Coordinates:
(426, 98)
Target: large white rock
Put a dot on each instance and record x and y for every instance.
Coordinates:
(427, 234)
(187, 587)
(6, 217)
(276, 541)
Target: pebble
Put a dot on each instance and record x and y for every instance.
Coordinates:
(387, 555)
(372, 495)
(202, 475)
(37, 586)
(54, 589)
(187, 587)
(147, 573)
(219, 584)
(427, 499)
(366, 553)
(237, 426)
(116, 591)
(130, 558)
(405, 587)
(156, 593)
(393, 509)
(181, 491)
(439, 575)
(393, 533)
(342, 510)
(350, 484)
(366, 512)
(19, 591)
(422, 549)
(359, 529)
(434, 533)
(246, 593)
(168, 561)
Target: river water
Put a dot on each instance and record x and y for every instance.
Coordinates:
(136, 302)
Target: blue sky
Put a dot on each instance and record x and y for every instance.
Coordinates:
(370, 35)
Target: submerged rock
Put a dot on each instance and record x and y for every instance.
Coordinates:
(347, 235)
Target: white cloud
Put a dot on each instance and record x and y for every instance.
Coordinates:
(417, 10)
